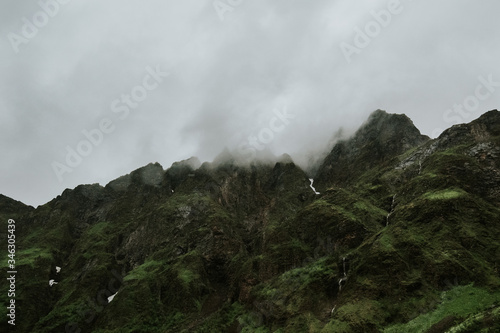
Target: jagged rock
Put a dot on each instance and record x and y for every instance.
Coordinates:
(121, 183)
(381, 138)
(151, 174)
(182, 246)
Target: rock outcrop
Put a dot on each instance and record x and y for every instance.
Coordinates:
(397, 227)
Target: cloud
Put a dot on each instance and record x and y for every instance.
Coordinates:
(227, 79)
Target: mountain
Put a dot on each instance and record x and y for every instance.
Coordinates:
(380, 139)
(395, 233)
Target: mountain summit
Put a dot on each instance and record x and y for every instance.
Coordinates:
(396, 233)
(379, 140)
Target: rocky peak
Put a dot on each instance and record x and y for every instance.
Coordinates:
(207, 249)
(385, 128)
(225, 157)
(479, 132)
(481, 129)
(8, 205)
(479, 140)
(192, 163)
(285, 159)
(381, 138)
(86, 192)
(151, 174)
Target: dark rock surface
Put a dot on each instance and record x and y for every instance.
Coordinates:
(234, 247)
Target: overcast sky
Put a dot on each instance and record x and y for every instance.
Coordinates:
(288, 73)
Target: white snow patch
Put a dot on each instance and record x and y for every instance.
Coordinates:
(312, 182)
(110, 298)
(52, 282)
(58, 269)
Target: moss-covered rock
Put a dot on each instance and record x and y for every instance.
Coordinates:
(404, 236)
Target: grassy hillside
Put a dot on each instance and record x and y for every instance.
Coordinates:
(410, 243)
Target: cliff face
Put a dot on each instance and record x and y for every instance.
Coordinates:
(380, 139)
(220, 247)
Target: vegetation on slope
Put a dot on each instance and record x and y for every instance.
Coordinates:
(410, 243)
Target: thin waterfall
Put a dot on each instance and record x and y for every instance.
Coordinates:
(342, 280)
(392, 209)
(312, 187)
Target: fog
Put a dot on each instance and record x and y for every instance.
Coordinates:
(91, 90)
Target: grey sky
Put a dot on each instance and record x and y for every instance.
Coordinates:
(228, 79)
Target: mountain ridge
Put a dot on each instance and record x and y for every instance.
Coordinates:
(397, 221)
(376, 119)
